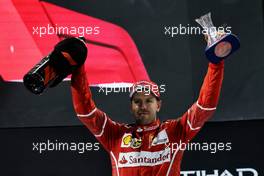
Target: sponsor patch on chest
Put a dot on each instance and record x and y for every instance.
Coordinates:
(129, 141)
(144, 158)
(161, 138)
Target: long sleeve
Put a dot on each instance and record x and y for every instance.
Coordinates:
(192, 120)
(81, 93)
(210, 91)
(102, 127)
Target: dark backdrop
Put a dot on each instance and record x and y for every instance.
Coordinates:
(177, 62)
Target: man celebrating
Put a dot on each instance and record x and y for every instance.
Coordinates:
(145, 148)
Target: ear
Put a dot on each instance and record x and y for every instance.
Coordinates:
(159, 105)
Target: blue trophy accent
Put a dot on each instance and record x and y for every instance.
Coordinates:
(223, 48)
(219, 45)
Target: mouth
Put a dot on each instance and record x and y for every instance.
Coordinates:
(142, 113)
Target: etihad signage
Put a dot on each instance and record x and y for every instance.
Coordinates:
(223, 172)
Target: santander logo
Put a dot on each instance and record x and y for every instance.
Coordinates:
(123, 161)
(144, 158)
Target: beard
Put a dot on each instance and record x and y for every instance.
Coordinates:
(144, 118)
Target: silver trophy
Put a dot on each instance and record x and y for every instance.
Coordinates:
(219, 45)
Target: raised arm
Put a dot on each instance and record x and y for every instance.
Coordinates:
(210, 90)
(81, 94)
(192, 121)
(103, 128)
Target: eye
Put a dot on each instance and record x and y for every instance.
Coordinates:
(149, 100)
(136, 101)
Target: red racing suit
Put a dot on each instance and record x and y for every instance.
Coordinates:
(151, 150)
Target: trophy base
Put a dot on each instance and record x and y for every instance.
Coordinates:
(222, 48)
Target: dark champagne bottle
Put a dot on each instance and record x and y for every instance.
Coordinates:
(67, 55)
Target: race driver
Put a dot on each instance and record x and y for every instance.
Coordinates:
(146, 148)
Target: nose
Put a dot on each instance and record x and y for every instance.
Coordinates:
(143, 105)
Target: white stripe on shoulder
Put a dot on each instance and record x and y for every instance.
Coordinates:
(172, 161)
(206, 109)
(103, 127)
(87, 115)
(117, 171)
(189, 123)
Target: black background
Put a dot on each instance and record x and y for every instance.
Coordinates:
(177, 62)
